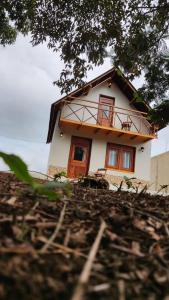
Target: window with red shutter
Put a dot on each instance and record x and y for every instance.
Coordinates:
(120, 157)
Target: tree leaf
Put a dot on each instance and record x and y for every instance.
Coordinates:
(131, 32)
(18, 166)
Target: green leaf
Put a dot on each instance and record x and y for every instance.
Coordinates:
(138, 98)
(17, 165)
(49, 189)
(59, 175)
(43, 189)
(119, 72)
(55, 184)
(126, 178)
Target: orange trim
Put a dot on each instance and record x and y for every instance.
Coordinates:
(95, 112)
(104, 128)
(94, 102)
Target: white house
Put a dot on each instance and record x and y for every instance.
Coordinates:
(101, 125)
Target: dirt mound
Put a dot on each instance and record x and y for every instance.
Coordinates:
(44, 245)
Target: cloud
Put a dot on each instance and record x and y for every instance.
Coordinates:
(26, 89)
(34, 154)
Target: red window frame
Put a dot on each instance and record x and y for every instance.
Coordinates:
(120, 152)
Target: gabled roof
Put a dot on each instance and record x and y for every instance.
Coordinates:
(114, 75)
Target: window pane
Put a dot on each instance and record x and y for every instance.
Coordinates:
(126, 160)
(79, 153)
(112, 158)
(105, 111)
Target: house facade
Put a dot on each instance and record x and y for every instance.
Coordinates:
(101, 126)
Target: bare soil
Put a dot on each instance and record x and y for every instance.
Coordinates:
(44, 245)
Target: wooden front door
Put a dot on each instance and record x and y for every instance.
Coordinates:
(105, 112)
(79, 157)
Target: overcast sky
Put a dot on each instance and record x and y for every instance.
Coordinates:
(26, 93)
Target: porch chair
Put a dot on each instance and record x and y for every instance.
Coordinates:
(126, 125)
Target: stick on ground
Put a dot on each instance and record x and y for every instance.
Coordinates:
(55, 233)
(84, 276)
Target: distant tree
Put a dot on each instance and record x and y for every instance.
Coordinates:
(85, 32)
(160, 114)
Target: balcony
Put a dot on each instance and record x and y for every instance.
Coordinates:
(106, 119)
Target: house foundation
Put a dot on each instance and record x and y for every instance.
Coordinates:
(112, 179)
(52, 170)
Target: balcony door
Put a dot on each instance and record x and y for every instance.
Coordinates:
(105, 112)
(79, 157)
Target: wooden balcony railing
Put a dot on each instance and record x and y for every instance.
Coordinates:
(92, 113)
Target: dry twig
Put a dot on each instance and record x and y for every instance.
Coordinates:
(27, 218)
(84, 276)
(61, 247)
(55, 233)
(121, 289)
(130, 251)
(166, 229)
(67, 237)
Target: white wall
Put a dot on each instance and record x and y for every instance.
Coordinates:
(59, 149)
